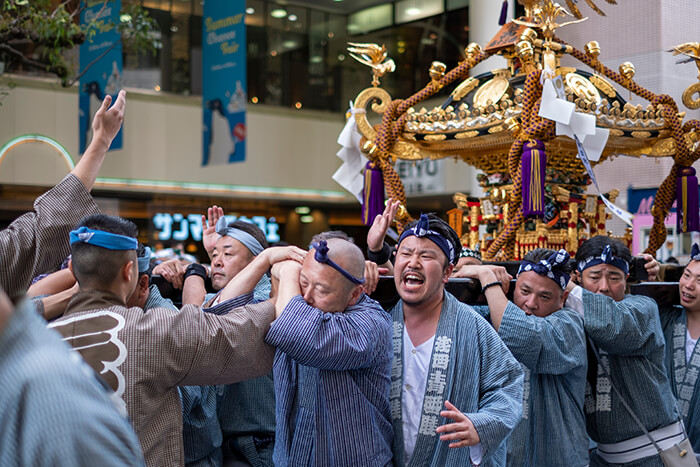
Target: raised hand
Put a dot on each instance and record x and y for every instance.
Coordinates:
(382, 222)
(209, 235)
(108, 121)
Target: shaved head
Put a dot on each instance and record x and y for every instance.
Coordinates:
(323, 286)
(348, 256)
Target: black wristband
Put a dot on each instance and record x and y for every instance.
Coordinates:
(195, 269)
(490, 284)
(381, 256)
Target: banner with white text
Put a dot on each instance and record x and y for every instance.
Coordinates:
(102, 56)
(224, 86)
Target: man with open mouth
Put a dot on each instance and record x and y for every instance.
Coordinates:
(456, 390)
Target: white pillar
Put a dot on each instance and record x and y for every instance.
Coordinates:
(483, 25)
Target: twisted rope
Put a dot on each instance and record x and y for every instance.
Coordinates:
(393, 123)
(666, 193)
(533, 127)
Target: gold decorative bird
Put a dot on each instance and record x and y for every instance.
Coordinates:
(691, 50)
(373, 56)
(531, 5)
(545, 18)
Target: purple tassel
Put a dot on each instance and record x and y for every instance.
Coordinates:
(687, 209)
(534, 161)
(504, 13)
(372, 193)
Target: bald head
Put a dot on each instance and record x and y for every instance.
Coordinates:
(348, 256)
(323, 286)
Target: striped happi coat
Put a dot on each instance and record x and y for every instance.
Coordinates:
(682, 373)
(37, 242)
(630, 340)
(331, 375)
(473, 369)
(145, 356)
(552, 352)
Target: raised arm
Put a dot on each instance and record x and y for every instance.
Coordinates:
(628, 327)
(246, 280)
(377, 233)
(332, 341)
(105, 126)
(490, 276)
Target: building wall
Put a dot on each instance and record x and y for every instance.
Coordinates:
(641, 32)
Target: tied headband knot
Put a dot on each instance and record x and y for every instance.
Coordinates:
(422, 230)
(606, 257)
(245, 238)
(548, 267)
(321, 255)
(103, 239)
(145, 260)
(695, 252)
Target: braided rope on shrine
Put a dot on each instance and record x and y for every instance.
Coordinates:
(683, 157)
(393, 123)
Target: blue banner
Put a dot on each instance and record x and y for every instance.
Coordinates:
(103, 56)
(224, 86)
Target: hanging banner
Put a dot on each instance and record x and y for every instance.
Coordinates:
(224, 95)
(103, 56)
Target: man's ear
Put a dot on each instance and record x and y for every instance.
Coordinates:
(127, 270)
(355, 295)
(576, 276)
(564, 295)
(447, 273)
(143, 284)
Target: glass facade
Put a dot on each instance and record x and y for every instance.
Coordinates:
(297, 56)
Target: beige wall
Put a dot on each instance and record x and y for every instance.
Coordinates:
(162, 142)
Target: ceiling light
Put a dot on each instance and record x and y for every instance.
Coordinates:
(302, 210)
(250, 10)
(278, 13)
(292, 17)
(306, 219)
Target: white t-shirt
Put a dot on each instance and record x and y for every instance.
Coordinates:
(689, 345)
(416, 363)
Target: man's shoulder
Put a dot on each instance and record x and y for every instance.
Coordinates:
(369, 306)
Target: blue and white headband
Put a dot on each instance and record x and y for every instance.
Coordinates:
(103, 239)
(606, 257)
(695, 253)
(145, 260)
(321, 255)
(245, 238)
(422, 230)
(548, 267)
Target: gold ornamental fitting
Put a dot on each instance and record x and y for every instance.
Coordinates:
(592, 49)
(437, 71)
(513, 125)
(627, 70)
(472, 50)
(369, 147)
(529, 35)
(401, 212)
(525, 50)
